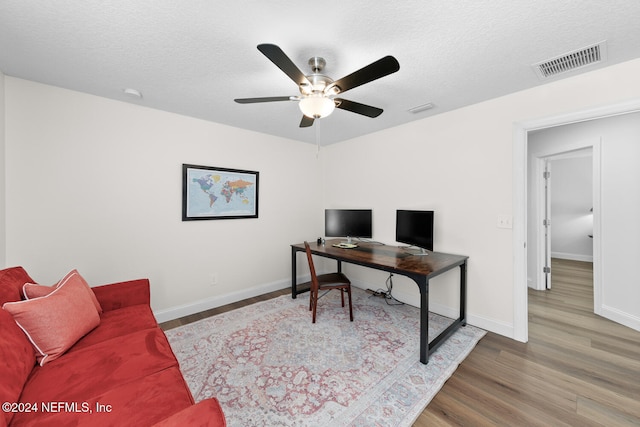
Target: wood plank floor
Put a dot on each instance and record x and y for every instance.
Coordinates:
(577, 369)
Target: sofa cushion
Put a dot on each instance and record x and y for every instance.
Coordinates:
(140, 402)
(55, 322)
(89, 372)
(117, 323)
(32, 290)
(16, 361)
(11, 281)
(123, 294)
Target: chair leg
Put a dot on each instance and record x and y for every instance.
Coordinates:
(313, 303)
(315, 307)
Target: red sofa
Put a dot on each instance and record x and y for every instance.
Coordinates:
(121, 373)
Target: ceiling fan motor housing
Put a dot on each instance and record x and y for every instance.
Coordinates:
(317, 64)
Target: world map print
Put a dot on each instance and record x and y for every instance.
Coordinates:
(220, 193)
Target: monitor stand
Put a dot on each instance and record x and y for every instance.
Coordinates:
(349, 240)
(417, 251)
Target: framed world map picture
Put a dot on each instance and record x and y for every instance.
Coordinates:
(218, 193)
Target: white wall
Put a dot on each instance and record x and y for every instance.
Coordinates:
(571, 204)
(95, 184)
(620, 226)
(460, 164)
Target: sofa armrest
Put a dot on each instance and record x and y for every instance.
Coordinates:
(123, 294)
(206, 413)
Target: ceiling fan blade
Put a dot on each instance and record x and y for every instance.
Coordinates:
(382, 67)
(306, 122)
(356, 107)
(282, 61)
(265, 99)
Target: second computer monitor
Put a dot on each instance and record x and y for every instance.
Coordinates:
(415, 228)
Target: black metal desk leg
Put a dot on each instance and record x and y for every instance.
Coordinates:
(293, 274)
(463, 293)
(423, 284)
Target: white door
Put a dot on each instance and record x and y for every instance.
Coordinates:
(546, 223)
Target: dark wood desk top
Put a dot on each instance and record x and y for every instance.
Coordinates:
(388, 258)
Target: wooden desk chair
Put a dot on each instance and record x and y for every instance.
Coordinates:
(326, 282)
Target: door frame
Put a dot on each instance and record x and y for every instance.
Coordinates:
(520, 194)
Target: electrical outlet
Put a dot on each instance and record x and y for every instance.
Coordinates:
(214, 279)
(505, 221)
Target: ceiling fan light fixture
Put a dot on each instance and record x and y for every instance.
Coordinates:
(316, 106)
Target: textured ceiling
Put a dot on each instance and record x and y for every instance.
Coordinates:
(195, 57)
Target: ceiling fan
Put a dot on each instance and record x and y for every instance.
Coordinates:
(318, 93)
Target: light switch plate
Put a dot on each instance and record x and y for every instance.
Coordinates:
(505, 221)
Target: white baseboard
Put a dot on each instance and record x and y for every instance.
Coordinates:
(491, 325)
(621, 317)
(220, 300)
(572, 257)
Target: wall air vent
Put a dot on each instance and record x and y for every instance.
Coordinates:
(572, 61)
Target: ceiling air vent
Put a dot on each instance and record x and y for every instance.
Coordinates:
(421, 108)
(571, 61)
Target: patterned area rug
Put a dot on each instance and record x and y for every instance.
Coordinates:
(268, 365)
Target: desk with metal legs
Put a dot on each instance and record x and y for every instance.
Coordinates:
(394, 260)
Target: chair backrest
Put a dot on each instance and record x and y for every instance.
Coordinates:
(312, 269)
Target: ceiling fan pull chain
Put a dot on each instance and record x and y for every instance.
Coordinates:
(318, 139)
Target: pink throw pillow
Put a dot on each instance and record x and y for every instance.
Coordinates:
(55, 322)
(32, 290)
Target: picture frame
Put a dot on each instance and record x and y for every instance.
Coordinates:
(210, 192)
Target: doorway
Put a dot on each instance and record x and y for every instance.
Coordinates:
(564, 225)
(565, 233)
(523, 244)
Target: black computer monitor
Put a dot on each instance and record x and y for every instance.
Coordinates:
(415, 228)
(348, 223)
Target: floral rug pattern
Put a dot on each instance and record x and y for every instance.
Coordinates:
(268, 365)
